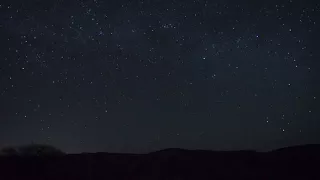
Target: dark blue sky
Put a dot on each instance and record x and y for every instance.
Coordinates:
(139, 76)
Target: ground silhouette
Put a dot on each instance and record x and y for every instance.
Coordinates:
(299, 162)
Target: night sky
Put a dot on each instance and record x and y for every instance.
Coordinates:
(139, 76)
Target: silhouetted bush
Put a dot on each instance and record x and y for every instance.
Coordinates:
(8, 151)
(31, 150)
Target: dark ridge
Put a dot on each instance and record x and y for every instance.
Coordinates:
(170, 150)
(308, 147)
(299, 162)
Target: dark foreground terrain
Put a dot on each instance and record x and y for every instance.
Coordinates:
(300, 162)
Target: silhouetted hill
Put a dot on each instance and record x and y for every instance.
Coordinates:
(300, 162)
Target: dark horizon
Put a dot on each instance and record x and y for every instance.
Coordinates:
(163, 149)
(140, 76)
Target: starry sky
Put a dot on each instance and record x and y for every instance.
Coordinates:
(139, 76)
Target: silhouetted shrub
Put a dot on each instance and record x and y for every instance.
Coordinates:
(9, 151)
(32, 150)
